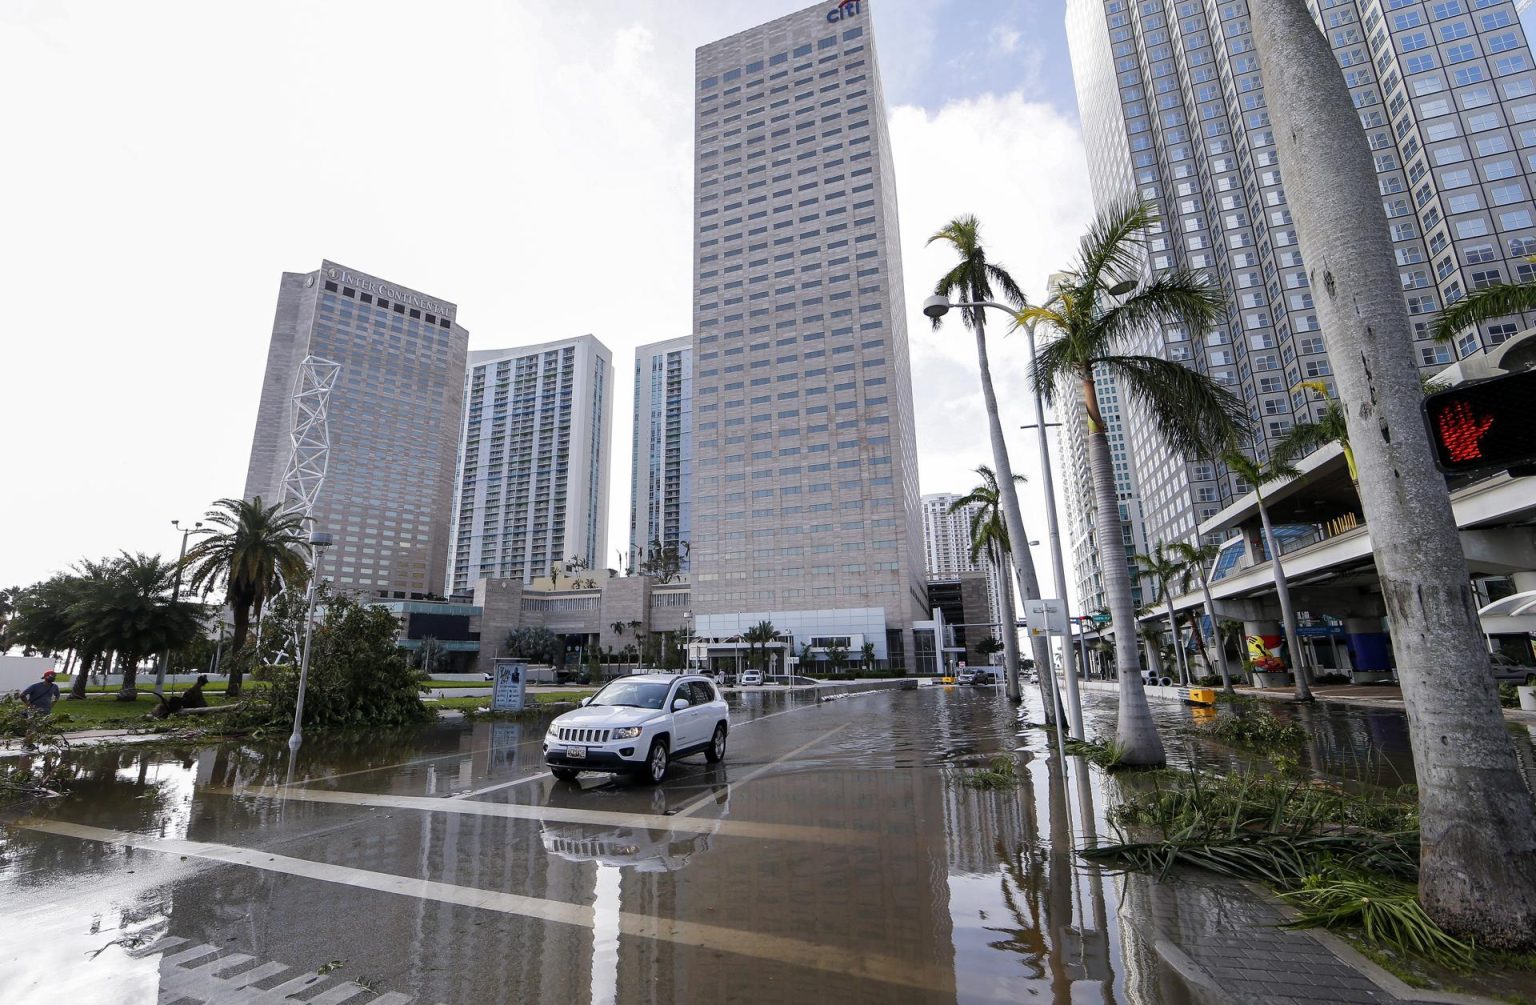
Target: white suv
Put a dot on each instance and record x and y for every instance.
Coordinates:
(637, 724)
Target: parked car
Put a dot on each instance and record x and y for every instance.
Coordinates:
(984, 678)
(1507, 670)
(638, 725)
(751, 678)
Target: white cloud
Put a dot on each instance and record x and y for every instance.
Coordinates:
(1019, 166)
(1005, 39)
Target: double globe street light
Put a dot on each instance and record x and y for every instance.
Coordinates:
(936, 307)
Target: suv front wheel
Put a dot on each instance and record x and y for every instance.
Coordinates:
(655, 764)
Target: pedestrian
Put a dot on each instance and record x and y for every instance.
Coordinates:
(39, 697)
(192, 697)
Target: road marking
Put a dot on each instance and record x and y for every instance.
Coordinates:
(504, 785)
(732, 786)
(602, 818)
(795, 952)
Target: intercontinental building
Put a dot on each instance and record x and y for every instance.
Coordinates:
(393, 421)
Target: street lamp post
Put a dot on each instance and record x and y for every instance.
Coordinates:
(937, 306)
(165, 658)
(317, 541)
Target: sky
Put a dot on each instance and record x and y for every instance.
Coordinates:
(529, 161)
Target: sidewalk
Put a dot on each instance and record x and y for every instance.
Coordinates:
(1222, 937)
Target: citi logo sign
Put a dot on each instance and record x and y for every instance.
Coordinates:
(843, 11)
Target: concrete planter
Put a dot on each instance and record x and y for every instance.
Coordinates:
(1265, 678)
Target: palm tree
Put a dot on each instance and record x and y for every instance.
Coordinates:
(1195, 561)
(256, 548)
(1163, 568)
(132, 613)
(1258, 475)
(1330, 427)
(989, 537)
(1096, 310)
(1477, 874)
(973, 280)
(759, 634)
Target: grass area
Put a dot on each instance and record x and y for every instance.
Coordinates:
(484, 700)
(1255, 729)
(105, 712)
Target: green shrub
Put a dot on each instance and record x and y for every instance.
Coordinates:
(1107, 754)
(999, 775)
(357, 676)
(1508, 696)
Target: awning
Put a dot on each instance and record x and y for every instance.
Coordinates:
(1514, 614)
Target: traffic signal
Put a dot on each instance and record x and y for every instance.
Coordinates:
(1484, 424)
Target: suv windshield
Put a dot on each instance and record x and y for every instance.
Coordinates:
(637, 694)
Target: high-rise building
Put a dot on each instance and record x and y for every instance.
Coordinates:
(661, 470)
(947, 547)
(533, 462)
(805, 503)
(1172, 106)
(393, 422)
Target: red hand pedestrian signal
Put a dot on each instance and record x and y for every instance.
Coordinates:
(1462, 430)
(1485, 425)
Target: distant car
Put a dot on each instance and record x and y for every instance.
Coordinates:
(751, 678)
(1511, 671)
(637, 725)
(984, 678)
(966, 677)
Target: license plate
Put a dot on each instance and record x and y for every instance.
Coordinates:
(576, 753)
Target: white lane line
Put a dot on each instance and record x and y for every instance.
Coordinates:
(795, 952)
(504, 785)
(601, 818)
(735, 784)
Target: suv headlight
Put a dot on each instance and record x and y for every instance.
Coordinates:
(627, 732)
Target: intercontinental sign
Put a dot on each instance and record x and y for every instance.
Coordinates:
(385, 290)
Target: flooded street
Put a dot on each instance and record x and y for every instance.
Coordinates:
(832, 856)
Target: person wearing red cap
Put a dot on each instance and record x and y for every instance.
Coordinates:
(39, 697)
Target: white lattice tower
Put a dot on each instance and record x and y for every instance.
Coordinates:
(309, 436)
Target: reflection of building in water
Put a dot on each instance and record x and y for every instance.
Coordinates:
(984, 827)
(884, 895)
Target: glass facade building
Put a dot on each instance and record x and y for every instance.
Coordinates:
(533, 462)
(1173, 110)
(805, 463)
(661, 471)
(393, 423)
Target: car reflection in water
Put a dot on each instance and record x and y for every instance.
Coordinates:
(642, 849)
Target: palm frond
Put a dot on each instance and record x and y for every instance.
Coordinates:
(1484, 305)
(1055, 363)
(1111, 250)
(1179, 298)
(1194, 414)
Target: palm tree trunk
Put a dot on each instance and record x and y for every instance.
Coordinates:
(128, 663)
(1478, 857)
(1011, 638)
(1023, 561)
(82, 676)
(1173, 632)
(1287, 612)
(1221, 643)
(1135, 731)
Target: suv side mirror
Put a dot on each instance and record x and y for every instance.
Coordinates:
(679, 704)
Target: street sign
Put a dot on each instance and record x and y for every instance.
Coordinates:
(1483, 425)
(1101, 619)
(508, 690)
(1045, 617)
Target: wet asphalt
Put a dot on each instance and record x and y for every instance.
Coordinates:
(832, 856)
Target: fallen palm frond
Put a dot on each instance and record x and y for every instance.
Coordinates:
(1388, 913)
